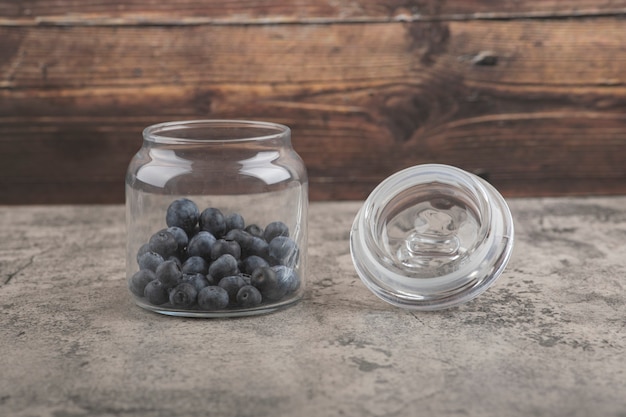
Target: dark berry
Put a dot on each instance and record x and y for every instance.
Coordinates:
(163, 243)
(283, 250)
(250, 245)
(200, 245)
(251, 263)
(222, 247)
(150, 260)
(223, 266)
(210, 279)
(238, 236)
(266, 281)
(175, 259)
(212, 220)
(248, 296)
(183, 295)
(181, 237)
(195, 265)
(212, 298)
(256, 247)
(275, 229)
(235, 221)
(246, 278)
(156, 293)
(145, 248)
(232, 284)
(287, 278)
(254, 230)
(183, 213)
(169, 274)
(139, 280)
(199, 281)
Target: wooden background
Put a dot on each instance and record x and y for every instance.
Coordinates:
(530, 94)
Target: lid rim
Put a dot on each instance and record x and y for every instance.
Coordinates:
(468, 281)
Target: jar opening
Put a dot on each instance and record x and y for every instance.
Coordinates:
(215, 131)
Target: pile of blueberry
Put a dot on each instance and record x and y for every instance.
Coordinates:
(211, 261)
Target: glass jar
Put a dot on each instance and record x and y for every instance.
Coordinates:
(431, 237)
(216, 215)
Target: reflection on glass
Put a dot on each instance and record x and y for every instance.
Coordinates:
(164, 166)
(261, 167)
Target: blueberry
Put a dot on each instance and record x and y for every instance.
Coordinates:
(212, 220)
(181, 237)
(145, 248)
(212, 298)
(223, 266)
(232, 284)
(248, 296)
(169, 274)
(287, 277)
(275, 229)
(156, 293)
(238, 236)
(183, 295)
(200, 245)
(195, 265)
(199, 281)
(182, 213)
(175, 259)
(256, 247)
(250, 245)
(234, 221)
(137, 283)
(163, 243)
(150, 260)
(266, 281)
(254, 230)
(251, 263)
(283, 250)
(222, 247)
(246, 278)
(210, 279)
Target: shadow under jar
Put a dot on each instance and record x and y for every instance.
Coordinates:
(216, 216)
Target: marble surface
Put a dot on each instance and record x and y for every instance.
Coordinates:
(548, 339)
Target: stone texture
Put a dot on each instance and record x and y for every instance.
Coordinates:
(549, 338)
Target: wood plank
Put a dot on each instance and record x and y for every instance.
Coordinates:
(256, 55)
(537, 106)
(142, 12)
(555, 53)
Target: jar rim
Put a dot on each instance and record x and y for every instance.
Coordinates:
(257, 131)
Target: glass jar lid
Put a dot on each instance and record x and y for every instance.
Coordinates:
(431, 237)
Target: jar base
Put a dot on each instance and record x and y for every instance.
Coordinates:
(256, 311)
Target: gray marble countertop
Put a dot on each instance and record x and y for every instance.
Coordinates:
(548, 339)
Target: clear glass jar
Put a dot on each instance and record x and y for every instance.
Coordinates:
(431, 237)
(216, 214)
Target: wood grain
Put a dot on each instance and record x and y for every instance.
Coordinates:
(537, 106)
(147, 12)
